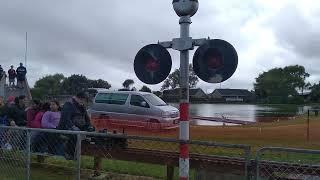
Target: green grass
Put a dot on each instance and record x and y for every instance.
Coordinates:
(57, 169)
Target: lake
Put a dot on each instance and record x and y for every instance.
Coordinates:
(245, 112)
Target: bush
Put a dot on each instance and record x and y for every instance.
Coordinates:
(295, 100)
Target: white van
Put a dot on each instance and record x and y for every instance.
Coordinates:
(133, 106)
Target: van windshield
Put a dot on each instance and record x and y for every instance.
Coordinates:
(155, 100)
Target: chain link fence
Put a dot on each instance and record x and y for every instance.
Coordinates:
(287, 163)
(13, 154)
(53, 154)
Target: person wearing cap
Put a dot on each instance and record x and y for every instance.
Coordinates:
(12, 76)
(74, 117)
(21, 75)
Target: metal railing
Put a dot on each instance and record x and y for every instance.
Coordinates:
(287, 163)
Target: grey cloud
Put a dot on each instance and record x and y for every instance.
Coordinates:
(296, 33)
(100, 38)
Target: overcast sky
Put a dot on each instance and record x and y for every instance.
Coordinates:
(100, 38)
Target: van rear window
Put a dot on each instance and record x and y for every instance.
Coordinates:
(111, 98)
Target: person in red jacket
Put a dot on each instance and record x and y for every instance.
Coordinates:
(36, 123)
(32, 111)
(12, 76)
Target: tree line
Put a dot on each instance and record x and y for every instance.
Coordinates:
(58, 84)
(277, 85)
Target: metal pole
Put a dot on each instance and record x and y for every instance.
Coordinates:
(78, 150)
(184, 22)
(28, 157)
(25, 55)
(308, 127)
(247, 158)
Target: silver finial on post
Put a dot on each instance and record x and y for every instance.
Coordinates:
(185, 7)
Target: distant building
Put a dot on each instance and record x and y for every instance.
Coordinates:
(305, 95)
(197, 93)
(233, 95)
(173, 95)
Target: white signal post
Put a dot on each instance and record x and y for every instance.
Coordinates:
(185, 9)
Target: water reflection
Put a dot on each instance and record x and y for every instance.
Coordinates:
(245, 112)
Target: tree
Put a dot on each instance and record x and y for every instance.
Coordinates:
(173, 79)
(58, 84)
(296, 77)
(127, 83)
(281, 82)
(99, 84)
(145, 89)
(48, 85)
(315, 93)
(74, 84)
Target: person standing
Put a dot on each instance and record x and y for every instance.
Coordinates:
(1, 73)
(74, 117)
(50, 120)
(17, 115)
(36, 122)
(21, 75)
(2, 81)
(3, 113)
(32, 111)
(12, 76)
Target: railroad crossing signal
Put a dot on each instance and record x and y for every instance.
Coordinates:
(152, 64)
(215, 61)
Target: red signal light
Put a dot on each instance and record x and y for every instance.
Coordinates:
(214, 58)
(152, 65)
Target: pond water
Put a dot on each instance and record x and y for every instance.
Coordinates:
(245, 112)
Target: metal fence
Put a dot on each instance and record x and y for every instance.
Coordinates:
(287, 163)
(54, 154)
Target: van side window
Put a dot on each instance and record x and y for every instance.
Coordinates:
(111, 98)
(138, 101)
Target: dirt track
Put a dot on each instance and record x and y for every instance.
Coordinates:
(291, 133)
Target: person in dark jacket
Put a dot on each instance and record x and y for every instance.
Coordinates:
(21, 75)
(2, 73)
(3, 113)
(74, 117)
(12, 76)
(16, 113)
